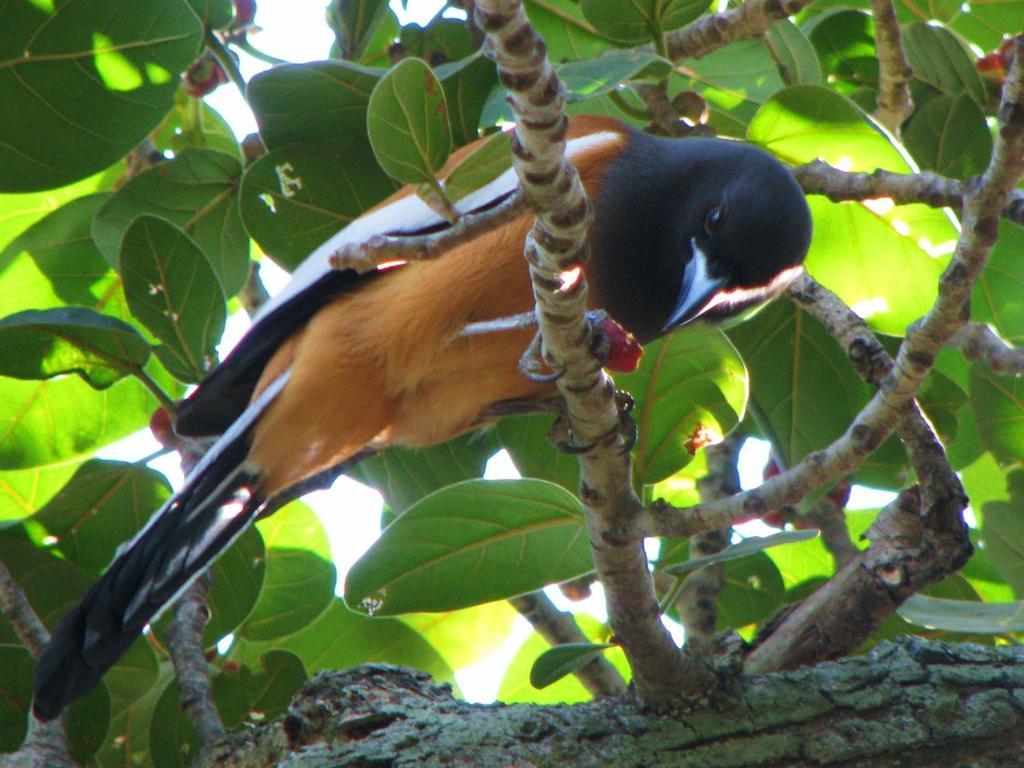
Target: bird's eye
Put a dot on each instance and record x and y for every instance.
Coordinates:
(714, 219)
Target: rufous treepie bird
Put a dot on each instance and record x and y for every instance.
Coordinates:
(341, 362)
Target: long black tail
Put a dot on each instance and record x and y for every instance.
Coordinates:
(218, 502)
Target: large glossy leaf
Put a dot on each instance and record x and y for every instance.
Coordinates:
(690, 389)
(752, 591)
(471, 543)
(355, 22)
(296, 103)
(42, 344)
(745, 548)
(640, 20)
(593, 77)
(467, 84)
(486, 163)
(92, 80)
(55, 262)
(24, 492)
(467, 636)
(804, 392)
(883, 261)
(441, 40)
(985, 24)
(294, 199)
(408, 123)
(845, 43)
(964, 615)
(561, 660)
(16, 674)
(101, 507)
(525, 439)
(88, 419)
(196, 191)
(237, 582)
(404, 475)
(941, 62)
(569, 36)
(999, 293)
(340, 639)
(997, 403)
(949, 136)
(171, 288)
(793, 53)
(298, 566)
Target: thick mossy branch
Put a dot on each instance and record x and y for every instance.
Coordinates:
(911, 703)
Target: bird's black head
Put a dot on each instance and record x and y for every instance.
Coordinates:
(691, 229)
(746, 227)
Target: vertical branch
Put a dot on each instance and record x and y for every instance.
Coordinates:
(894, 72)
(696, 603)
(184, 640)
(557, 243)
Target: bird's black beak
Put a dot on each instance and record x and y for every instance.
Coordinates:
(698, 289)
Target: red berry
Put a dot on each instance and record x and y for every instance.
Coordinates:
(204, 76)
(245, 12)
(160, 426)
(624, 351)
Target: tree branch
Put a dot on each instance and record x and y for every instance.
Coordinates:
(820, 178)
(714, 30)
(907, 703)
(184, 641)
(979, 342)
(894, 72)
(556, 243)
(558, 628)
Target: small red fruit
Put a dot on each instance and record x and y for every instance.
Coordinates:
(160, 426)
(624, 351)
(204, 76)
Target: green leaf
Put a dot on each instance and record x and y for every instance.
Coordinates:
(516, 687)
(593, 77)
(55, 262)
(294, 199)
(484, 165)
(172, 740)
(752, 592)
(691, 387)
(41, 344)
(237, 582)
(407, 123)
(882, 261)
(568, 35)
(24, 492)
(467, 636)
(102, 506)
(172, 289)
(323, 100)
(804, 392)
(249, 695)
(197, 192)
(845, 43)
(793, 53)
(298, 562)
(471, 543)
(91, 81)
(355, 22)
(215, 14)
(964, 615)
(1002, 532)
(442, 40)
(999, 293)
(734, 81)
(88, 419)
(17, 672)
(467, 84)
(985, 24)
(640, 20)
(555, 663)
(340, 639)
(949, 136)
(942, 62)
(525, 439)
(998, 406)
(746, 547)
(184, 129)
(403, 476)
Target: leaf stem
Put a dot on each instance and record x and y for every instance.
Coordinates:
(226, 60)
(165, 400)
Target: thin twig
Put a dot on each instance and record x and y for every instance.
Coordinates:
(894, 72)
(712, 31)
(15, 607)
(599, 677)
(820, 178)
(979, 342)
(558, 242)
(383, 248)
(184, 642)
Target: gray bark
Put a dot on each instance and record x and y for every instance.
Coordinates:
(911, 703)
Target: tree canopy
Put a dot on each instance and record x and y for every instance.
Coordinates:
(133, 221)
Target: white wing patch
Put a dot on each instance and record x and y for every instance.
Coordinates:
(408, 213)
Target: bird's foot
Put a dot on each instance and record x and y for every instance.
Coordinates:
(533, 365)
